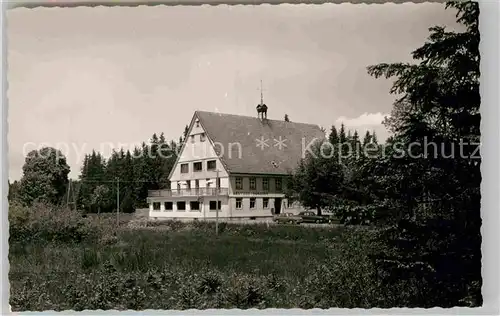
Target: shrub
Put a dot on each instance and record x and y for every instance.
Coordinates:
(47, 223)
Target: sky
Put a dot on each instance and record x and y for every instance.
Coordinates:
(107, 77)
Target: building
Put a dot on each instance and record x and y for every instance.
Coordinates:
(248, 158)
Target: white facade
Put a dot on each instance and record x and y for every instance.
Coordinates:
(193, 183)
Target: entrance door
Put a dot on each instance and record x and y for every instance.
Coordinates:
(277, 206)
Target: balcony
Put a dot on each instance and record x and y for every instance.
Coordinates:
(268, 193)
(188, 192)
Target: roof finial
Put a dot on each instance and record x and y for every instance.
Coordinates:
(262, 108)
(261, 93)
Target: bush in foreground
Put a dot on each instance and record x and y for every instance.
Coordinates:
(47, 223)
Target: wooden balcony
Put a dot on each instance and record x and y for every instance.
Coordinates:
(188, 192)
(273, 193)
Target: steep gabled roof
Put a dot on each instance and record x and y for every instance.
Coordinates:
(268, 158)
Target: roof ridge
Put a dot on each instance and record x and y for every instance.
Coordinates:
(247, 116)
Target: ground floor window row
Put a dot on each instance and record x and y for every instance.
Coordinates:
(194, 206)
(253, 203)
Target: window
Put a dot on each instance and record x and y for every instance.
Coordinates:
(181, 206)
(252, 203)
(197, 166)
(278, 184)
(192, 138)
(197, 123)
(202, 137)
(178, 186)
(197, 183)
(218, 183)
(156, 206)
(213, 204)
(253, 184)
(184, 168)
(239, 184)
(188, 184)
(265, 202)
(211, 165)
(194, 205)
(238, 203)
(207, 182)
(169, 206)
(265, 184)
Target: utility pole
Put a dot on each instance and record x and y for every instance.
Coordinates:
(217, 188)
(117, 201)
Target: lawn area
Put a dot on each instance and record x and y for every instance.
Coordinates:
(185, 265)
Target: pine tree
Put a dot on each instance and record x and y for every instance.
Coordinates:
(367, 139)
(333, 137)
(374, 138)
(342, 135)
(344, 149)
(356, 145)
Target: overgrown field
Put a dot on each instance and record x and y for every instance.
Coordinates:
(60, 261)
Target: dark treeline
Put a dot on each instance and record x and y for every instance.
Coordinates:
(426, 207)
(126, 176)
(130, 173)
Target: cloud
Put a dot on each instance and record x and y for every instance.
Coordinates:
(366, 122)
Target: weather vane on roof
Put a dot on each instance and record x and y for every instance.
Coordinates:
(262, 108)
(261, 93)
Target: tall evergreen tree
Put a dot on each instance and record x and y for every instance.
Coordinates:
(356, 145)
(367, 139)
(434, 242)
(93, 174)
(333, 137)
(342, 134)
(374, 138)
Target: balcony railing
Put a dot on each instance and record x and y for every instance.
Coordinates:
(188, 192)
(257, 193)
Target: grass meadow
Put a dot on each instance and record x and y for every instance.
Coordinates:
(61, 261)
